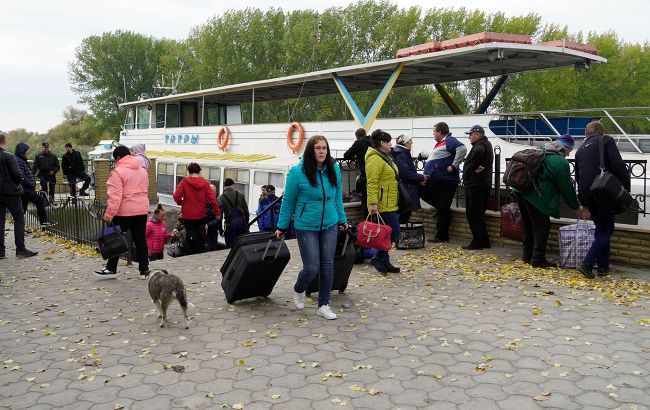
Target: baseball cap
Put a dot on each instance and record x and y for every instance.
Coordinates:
(475, 128)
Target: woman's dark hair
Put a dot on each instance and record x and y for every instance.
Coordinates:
(309, 163)
(121, 152)
(158, 209)
(379, 136)
(194, 168)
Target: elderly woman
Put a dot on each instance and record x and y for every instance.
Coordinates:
(192, 194)
(138, 151)
(382, 193)
(407, 173)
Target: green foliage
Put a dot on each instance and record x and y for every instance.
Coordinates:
(114, 68)
(252, 44)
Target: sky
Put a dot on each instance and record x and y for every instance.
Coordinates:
(38, 37)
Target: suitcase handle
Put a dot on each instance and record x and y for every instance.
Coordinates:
(268, 245)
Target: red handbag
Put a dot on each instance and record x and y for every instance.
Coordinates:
(512, 225)
(374, 235)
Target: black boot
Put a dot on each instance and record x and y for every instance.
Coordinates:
(586, 270)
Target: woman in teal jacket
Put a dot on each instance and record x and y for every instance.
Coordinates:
(313, 193)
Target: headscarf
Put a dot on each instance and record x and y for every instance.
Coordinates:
(138, 151)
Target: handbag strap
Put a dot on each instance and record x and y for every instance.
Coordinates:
(380, 220)
(391, 166)
(601, 153)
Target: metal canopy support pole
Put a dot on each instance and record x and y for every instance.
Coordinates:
(203, 111)
(367, 120)
(165, 120)
(491, 95)
(253, 108)
(623, 132)
(448, 100)
(557, 133)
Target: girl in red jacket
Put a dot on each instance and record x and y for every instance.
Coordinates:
(156, 234)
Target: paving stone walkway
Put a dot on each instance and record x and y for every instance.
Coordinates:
(456, 330)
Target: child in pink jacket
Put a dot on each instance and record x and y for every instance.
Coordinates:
(156, 234)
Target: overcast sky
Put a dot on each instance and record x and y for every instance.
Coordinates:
(38, 37)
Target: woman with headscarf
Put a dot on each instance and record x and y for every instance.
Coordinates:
(138, 151)
(408, 173)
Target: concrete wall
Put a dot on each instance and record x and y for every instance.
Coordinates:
(627, 242)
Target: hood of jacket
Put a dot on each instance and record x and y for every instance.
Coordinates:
(400, 148)
(21, 149)
(554, 147)
(128, 162)
(197, 183)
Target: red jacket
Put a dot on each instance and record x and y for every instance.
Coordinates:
(156, 233)
(193, 194)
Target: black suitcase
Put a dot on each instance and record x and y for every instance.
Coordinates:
(343, 262)
(253, 266)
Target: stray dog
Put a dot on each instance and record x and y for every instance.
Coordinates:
(163, 287)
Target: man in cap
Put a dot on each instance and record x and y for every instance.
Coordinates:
(477, 181)
(46, 165)
(443, 176)
(536, 206)
(268, 221)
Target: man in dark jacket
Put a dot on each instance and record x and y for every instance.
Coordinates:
(477, 180)
(443, 176)
(357, 152)
(269, 221)
(10, 189)
(235, 212)
(587, 169)
(29, 185)
(46, 165)
(73, 169)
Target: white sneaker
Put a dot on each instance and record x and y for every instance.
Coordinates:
(299, 299)
(326, 312)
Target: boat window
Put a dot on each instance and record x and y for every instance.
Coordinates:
(172, 115)
(143, 116)
(160, 116)
(188, 114)
(213, 175)
(130, 119)
(165, 178)
(264, 178)
(241, 178)
(212, 114)
(181, 172)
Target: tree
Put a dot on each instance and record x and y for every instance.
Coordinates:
(114, 68)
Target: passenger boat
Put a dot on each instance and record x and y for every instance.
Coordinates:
(205, 126)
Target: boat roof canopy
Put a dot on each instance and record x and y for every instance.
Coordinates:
(465, 63)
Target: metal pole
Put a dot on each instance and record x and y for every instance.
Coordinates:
(253, 108)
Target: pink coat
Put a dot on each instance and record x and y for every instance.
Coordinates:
(156, 234)
(127, 189)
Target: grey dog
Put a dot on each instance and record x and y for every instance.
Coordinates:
(163, 287)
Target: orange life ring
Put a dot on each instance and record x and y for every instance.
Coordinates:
(222, 142)
(295, 147)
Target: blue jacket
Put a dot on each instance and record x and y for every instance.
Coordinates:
(270, 219)
(452, 152)
(315, 207)
(408, 174)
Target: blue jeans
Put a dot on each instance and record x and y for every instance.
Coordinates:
(391, 219)
(317, 250)
(600, 249)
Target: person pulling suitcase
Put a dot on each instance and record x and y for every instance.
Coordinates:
(313, 192)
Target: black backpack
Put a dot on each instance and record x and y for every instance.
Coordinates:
(523, 169)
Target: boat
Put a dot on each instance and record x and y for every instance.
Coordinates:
(206, 126)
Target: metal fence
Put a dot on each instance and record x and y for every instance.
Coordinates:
(500, 193)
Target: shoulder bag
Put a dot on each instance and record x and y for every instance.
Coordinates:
(607, 190)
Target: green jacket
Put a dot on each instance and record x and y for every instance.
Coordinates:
(381, 183)
(554, 181)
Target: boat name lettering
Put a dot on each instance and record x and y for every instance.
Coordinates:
(181, 139)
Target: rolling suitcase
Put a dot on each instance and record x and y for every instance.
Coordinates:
(343, 262)
(253, 266)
